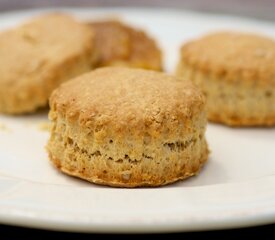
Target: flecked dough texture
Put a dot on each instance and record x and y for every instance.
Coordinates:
(236, 72)
(38, 56)
(128, 128)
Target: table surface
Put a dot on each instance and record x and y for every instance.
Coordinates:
(263, 9)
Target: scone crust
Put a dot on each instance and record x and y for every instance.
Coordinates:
(237, 74)
(155, 97)
(38, 56)
(234, 56)
(120, 45)
(136, 127)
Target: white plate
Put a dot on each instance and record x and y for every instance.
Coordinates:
(236, 188)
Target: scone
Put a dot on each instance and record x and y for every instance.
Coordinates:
(39, 55)
(236, 72)
(119, 44)
(128, 127)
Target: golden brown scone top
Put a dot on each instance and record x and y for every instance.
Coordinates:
(233, 55)
(119, 44)
(119, 97)
(29, 51)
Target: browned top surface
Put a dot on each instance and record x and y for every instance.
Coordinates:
(31, 50)
(119, 97)
(119, 44)
(233, 54)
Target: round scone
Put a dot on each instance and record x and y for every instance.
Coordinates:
(236, 72)
(128, 127)
(118, 44)
(39, 55)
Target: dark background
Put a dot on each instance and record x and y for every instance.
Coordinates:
(261, 9)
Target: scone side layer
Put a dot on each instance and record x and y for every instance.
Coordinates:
(127, 162)
(242, 103)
